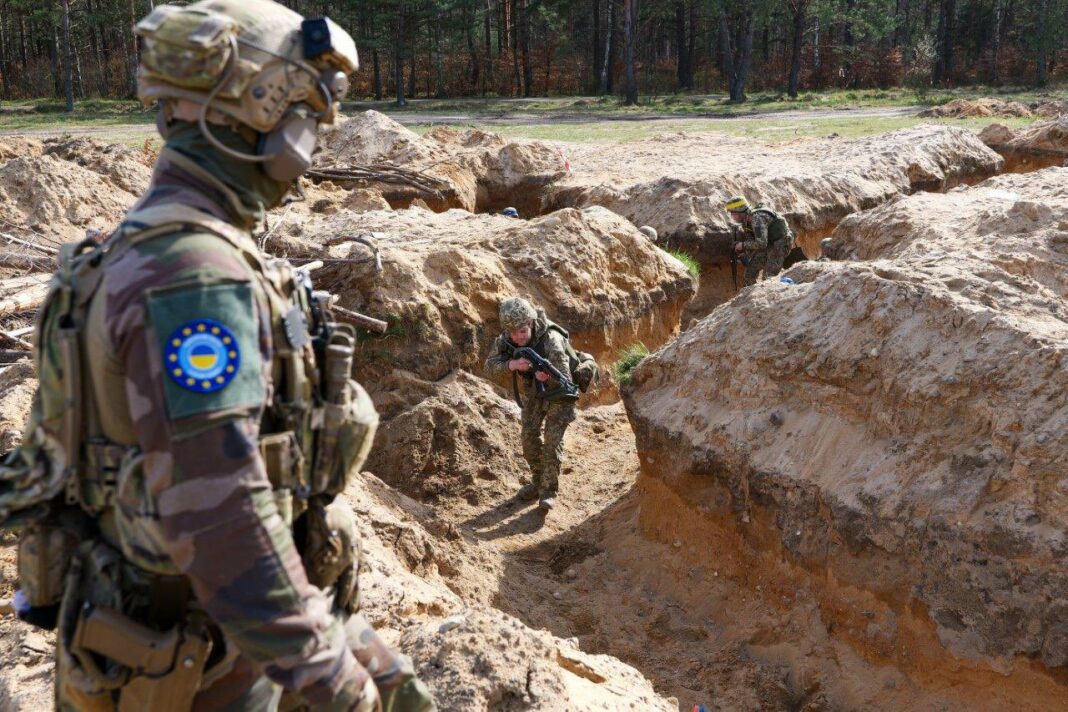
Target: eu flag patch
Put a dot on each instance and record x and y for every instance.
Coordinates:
(202, 356)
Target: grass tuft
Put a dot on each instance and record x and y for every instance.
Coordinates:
(628, 359)
(689, 260)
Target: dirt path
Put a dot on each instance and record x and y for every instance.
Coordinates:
(510, 118)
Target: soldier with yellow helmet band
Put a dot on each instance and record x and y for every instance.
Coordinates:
(177, 487)
(767, 238)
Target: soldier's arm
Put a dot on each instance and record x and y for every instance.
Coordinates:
(217, 520)
(759, 240)
(556, 354)
(497, 363)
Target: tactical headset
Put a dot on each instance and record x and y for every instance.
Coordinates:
(285, 151)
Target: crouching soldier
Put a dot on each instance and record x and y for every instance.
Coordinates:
(767, 238)
(529, 342)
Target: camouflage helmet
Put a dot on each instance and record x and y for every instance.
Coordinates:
(649, 232)
(515, 313)
(250, 60)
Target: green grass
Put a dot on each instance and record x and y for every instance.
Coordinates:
(51, 115)
(708, 104)
(628, 359)
(687, 259)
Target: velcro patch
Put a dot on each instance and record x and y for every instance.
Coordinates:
(209, 347)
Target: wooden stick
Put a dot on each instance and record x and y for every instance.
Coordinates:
(26, 243)
(16, 340)
(28, 299)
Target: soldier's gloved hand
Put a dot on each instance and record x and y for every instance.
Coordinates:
(738, 247)
(541, 376)
(519, 364)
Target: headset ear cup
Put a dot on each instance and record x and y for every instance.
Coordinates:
(290, 146)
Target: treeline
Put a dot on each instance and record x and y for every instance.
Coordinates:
(526, 48)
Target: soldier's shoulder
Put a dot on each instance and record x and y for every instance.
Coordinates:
(188, 254)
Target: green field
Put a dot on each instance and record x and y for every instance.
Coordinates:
(584, 119)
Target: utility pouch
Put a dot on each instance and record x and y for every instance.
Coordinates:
(348, 420)
(284, 462)
(188, 47)
(154, 670)
(46, 549)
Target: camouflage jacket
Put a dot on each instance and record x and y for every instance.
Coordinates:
(170, 311)
(547, 341)
(766, 227)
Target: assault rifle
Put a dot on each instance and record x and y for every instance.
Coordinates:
(567, 390)
(734, 256)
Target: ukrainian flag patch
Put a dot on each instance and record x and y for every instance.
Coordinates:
(203, 356)
(209, 348)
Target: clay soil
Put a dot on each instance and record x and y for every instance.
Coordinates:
(630, 594)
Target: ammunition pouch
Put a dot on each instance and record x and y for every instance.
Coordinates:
(46, 549)
(346, 423)
(150, 669)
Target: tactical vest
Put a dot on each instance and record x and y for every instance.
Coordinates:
(317, 428)
(583, 367)
(778, 228)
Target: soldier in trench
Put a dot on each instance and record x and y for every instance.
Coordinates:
(546, 411)
(767, 238)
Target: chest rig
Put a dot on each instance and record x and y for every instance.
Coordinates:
(316, 429)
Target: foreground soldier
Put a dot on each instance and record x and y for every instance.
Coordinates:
(176, 486)
(553, 403)
(768, 238)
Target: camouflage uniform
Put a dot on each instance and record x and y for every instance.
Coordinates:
(764, 250)
(205, 463)
(544, 422)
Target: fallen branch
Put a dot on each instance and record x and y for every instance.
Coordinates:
(26, 243)
(387, 174)
(28, 299)
(18, 260)
(10, 337)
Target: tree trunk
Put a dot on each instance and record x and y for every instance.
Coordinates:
(523, 22)
(68, 60)
(5, 67)
(135, 50)
(736, 63)
(606, 69)
(54, 59)
(944, 62)
(597, 59)
(398, 58)
(472, 50)
(630, 20)
(377, 64)
(684, 71)
(489, 49)
(799, 10)
(995, 68)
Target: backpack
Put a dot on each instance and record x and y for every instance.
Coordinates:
(584, 369)
(778, 229)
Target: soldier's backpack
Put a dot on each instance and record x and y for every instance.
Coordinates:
(778, 228)
(584, 369)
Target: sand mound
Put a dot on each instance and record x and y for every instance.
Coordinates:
(19, 147)
(1042, 144)
(483, 171)
(893, 434)
(979, 108)
(491, 661)
(128, 169)
(460, 442)
(445, 274)
(58, 199)
(678, 184)
(999, 108)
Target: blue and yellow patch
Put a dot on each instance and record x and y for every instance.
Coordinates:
(202, 356)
